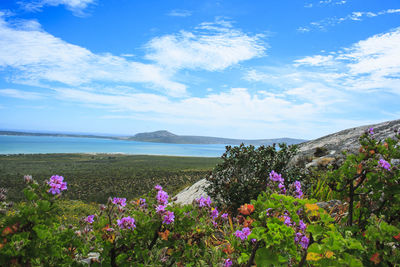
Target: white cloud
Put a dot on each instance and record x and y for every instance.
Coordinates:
(237, 105)
(76, 6)
(354, 16)
(14, 93)
(179, 13)
(315, 60)
(371, 64)
(39, 57)
(212, 46)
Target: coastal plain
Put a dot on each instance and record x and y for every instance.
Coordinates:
(95, 177)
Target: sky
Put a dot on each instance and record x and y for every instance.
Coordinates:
(227, 68)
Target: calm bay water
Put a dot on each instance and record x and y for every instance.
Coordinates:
(13, 144)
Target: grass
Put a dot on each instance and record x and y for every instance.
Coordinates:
(94, 178)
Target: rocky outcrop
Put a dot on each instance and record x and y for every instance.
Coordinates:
(192, 192)
(328, 149)
(347, 139)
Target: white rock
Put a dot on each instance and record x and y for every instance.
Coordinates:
(190, 193)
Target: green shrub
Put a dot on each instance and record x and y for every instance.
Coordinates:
(243, 173)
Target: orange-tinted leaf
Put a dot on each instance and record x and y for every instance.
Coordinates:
(359, 168)
(228, 249)
(170, 251)
(375, 258)
(329, 254)
(246, 209)
(312, 256)
(311, 207)
(164, 235)
(397, 237)
(7, 231)
(371, 152)
(386, 145)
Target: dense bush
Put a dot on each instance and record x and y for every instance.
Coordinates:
(242, 174)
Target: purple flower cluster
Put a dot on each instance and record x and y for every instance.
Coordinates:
(301, 237)
(276, 177)
(243, 234)
(89, 219)
(204, 201)
(384, 164)
(142, 203)
(371, 131)
(119, 201)
(57, 184)
(224, 216)
(158, 187)
(267, 211)
(162, 197)
(168, 217)
(126, 223)
(228, 263)
(298, 192)
(288, 220)
(214, 213)
(160, 209)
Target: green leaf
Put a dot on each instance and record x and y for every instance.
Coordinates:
(42, 231)
(266, 257)
(44, 205)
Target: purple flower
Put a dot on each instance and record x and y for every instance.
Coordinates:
(298, 237)
(228, 263)
(384, 164)
(215, 223)
(57, 184)
(214, 213)
(202, 202)
(243, 234)
(299, 193)
(276, 177)
(371, 131)
(168, 217)
(302, 225)
(162, 197)
(126, 223)
(89, 219)
(224, 216)
(142, 202)
(160, 209)
(287, 221)
(119, 201)
(304, 242)
(267, 211)
(158, 187)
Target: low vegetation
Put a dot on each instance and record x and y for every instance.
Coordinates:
(281, 226)
(93, 178)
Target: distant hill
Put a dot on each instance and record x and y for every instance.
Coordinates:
(167, 137)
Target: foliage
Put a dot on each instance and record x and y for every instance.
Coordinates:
(242, 174)
(370, 182)
(93, 178)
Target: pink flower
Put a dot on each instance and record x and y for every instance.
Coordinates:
(89, 219)
(119, 201)
(126, 223)
(57, 184)
(169, 217)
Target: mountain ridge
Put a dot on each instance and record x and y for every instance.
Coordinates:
(164, 136)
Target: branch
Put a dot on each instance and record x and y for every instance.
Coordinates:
(253, 254)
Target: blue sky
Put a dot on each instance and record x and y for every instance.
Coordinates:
(229, 68)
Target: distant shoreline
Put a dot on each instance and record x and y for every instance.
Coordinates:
(101, 153)
(165, 137)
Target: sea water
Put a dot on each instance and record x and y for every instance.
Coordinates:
(14, 144)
